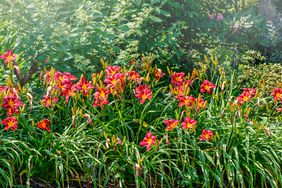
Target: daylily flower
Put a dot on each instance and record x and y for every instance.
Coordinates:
(212, 16)
(133, 76)
(68, 91)
(200, 103)
(158, 74)
(277, 94)
(177, 91)
(219, 17)
(101, 97)
(244, 97)
(148, 141)
(11, 103)
(188, 82)
(171, 124)
(143, 92)
(189, 123)
(64, 80)
(207, 86)
(206, 135)
(186, 101)
(252, 91)
(115, 80)
(44, 125)
(84, 86)
(49, 101)
(177, 78)
(8, 56)
(10, 123)
(89, 120)
(112, 70)
(4, 88)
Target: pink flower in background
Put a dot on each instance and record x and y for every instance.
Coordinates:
(219, 17)
(212, 16)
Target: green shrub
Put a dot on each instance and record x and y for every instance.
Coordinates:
(263, 76)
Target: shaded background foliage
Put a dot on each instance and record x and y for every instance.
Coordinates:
(73, 35)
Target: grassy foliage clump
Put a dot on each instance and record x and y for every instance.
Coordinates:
(140, 126)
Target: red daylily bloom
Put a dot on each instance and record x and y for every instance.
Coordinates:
(11, 103)
(12, 111)
(244, 97)
(133, 76)
(69, 76)
(143, 92)
(207, 87)
(84, 86)
(101, 97)
(186, 101)
(277, 94)
(177, 78)
(64, 77)
(112, 70)
(252, 91)
(171, 124)
(188, 82)
(49, 101)
(158, 74)
(68, 91)
(8, 56)
(113, 81)
(4, 88)
(148, 141)
(177, 91)
(247, 95)
(206, 135)
(189, 123)
(200, 103)
(44, 125)
(63, 80)
(10, 123)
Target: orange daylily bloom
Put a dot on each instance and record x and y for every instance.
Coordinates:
(44, 125)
